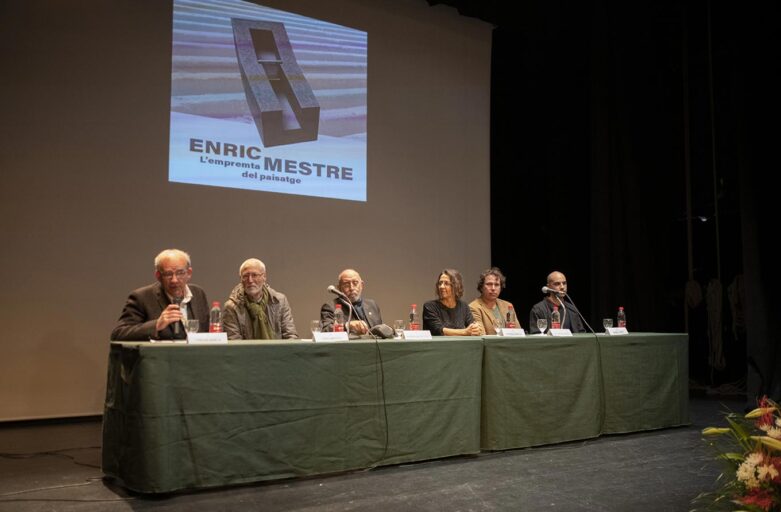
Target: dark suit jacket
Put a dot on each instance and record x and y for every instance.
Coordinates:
(143, 308)
(543, 309)
(371, 313)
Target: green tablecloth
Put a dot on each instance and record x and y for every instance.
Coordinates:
(541, 390)
(180, 416)
(646, 381)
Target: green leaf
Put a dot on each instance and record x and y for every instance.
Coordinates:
(715, 431)
(732, 456)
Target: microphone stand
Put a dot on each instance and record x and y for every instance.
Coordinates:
(566, 296)
(563, 309)
(344, 298)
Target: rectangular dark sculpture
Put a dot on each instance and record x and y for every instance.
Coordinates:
(282, 103)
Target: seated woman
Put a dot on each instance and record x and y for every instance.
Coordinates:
(449, 315)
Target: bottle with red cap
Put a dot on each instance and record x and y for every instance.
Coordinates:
(215, 317)
(511, 322)
(414, 318)
(621, 317)
(338, 318)
(555, 318)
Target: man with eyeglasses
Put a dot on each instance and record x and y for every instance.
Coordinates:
(366, 313)
(254, 310)
(160, 311)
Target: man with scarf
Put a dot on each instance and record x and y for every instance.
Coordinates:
(254, 310)
(366, 313)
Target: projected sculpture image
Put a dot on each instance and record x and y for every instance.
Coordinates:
(280, 99)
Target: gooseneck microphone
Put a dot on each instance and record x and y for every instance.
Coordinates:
(546, 290)
(569, 298)
(333, 289)
(558, 294)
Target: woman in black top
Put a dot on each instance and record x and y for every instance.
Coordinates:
(449, 315)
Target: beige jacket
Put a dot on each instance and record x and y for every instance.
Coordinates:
(485, 316)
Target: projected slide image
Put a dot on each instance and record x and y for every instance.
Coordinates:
(267, 100)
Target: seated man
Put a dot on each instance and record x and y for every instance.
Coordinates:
(254, 310)
(489, 310)
(570, 316)
(157, 311)
(366, 313)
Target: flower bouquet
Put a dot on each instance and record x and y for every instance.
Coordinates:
(751, 448)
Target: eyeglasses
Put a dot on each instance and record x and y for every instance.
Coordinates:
(252, 276)
(180, 274)
(354, 284)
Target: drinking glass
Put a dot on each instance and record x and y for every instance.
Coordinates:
(607, 323)
(542, 325)
(398, 327)
(193, 325)
(315, 326)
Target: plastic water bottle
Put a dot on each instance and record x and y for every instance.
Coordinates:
(215, 318)
(511, 322)
(414, 318)
(555, 318)
(621, 317)
(338, 318)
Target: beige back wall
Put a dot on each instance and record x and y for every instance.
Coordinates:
(85, 203)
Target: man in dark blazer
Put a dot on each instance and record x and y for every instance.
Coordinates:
(366, 313)
(570, 316)
(160, 311)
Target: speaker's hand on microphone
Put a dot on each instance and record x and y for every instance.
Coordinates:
(169, 315)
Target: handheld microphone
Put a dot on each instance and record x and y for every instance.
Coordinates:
(178, 302)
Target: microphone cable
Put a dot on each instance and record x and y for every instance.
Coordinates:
(599, 359)
(566, 296)
(379, 369)
(380, 372)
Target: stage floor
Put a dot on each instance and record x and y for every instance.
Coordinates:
(55, 466)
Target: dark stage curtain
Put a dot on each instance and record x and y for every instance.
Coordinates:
(611, 120)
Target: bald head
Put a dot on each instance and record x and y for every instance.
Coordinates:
(556, 276)
(351, 284)
(557, 281)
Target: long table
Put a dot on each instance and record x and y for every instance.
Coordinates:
(180, 417)
(541, 390)
(645, 381)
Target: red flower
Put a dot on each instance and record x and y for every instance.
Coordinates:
(767, 418)
(761, 498)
